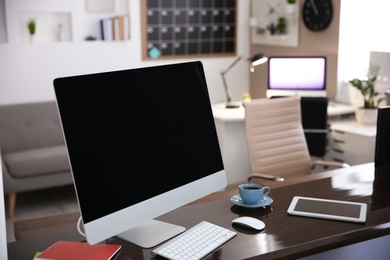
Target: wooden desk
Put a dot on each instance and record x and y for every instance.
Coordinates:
(284, 236)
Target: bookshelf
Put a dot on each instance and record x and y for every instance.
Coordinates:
(61, 20)
(50, 27)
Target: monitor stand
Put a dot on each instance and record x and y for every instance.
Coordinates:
(298, 93)
(151, 233)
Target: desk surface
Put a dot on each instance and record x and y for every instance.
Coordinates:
(238, 114)
(284, 236)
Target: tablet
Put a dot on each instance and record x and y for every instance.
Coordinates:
(329, 209)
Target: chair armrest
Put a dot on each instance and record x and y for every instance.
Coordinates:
(330, 164)
(314, 163)
(264, 176)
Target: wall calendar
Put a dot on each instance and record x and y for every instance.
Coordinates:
(188, 28)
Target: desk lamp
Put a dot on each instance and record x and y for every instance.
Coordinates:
(255, 60)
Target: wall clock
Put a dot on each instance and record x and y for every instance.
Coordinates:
(317, 14)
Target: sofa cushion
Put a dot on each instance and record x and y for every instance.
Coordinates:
(37, 161)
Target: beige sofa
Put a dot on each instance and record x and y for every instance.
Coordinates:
(33, 149)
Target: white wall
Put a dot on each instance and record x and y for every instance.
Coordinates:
(27, 70)
(363, 28)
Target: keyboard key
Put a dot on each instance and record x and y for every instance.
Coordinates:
(195, 243)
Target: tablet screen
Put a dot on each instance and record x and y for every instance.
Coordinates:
(332, 209)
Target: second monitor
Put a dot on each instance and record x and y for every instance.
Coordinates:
(297, 76)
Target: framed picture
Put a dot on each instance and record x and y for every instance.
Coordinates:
(100, 6)
(275, 22)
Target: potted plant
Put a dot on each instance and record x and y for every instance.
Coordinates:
(31, 26)
(291, 6)
(367, 114)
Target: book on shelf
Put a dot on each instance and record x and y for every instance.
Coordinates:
(62, 250)
(126, 27)
(115, 28)
(106, 27)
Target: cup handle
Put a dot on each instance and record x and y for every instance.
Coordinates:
(266, 190)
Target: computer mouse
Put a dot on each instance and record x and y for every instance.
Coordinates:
(249, 222)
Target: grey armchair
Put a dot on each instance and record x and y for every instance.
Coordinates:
(33, 149)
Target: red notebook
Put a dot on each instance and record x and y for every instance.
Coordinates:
(79, 250)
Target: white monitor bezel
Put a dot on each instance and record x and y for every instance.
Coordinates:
(3, 233)
(99, 229)
(296, 93)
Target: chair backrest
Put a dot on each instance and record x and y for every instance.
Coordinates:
(382, 142)
(314, 111)
(275, 136)
(29, 125)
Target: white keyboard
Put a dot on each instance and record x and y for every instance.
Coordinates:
(196, 242)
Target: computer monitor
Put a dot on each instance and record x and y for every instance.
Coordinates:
(141, 142)
(297, 76)
(382, 141)
(3, 233)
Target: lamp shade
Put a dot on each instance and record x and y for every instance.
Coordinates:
(258, 59)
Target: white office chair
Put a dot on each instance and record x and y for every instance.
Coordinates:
(276, 140)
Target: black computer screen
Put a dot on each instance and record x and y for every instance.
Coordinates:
(137, 133)
(382, 143)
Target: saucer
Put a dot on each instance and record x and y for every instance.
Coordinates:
(236, 199)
